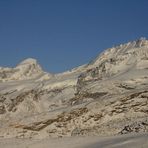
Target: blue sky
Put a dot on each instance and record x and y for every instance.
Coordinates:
(62, 34)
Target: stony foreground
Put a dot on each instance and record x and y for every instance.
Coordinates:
(128, 141)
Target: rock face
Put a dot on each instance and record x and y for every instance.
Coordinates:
(107, 96)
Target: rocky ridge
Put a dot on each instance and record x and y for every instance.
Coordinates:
(107, 96)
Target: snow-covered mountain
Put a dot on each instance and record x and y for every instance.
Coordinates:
(27, 69)
(107, 96)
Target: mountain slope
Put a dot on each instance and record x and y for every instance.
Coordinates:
(107, 96)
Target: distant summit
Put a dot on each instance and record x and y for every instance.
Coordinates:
(29, 61)
(27, 69)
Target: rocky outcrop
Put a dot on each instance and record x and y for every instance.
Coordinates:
(137, 127)
(2, 109)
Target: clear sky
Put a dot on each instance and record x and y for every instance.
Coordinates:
(63, 34)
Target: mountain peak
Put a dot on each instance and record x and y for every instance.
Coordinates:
(27, 69)
(30, 65)
(141, 42)
(28, 61)
(143, 38)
